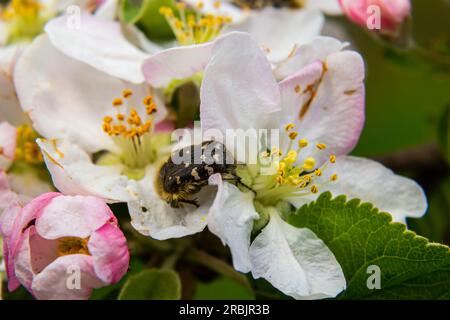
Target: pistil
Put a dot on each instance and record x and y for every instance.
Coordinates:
(27, 149)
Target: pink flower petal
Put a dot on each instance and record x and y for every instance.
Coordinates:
(109, 250)
(72, 216)
(21, 260)
(22, 219)
(58, 280)
(43, 251)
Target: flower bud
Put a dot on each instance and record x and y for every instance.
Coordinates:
(384, 16)
(62, 247)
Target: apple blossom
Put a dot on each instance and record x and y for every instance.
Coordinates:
(120, 50)
(187, 63)
(62, 247)
(320, 110)
(22, 172)
(297, 25)
(392, 14)
(101, 133)
(20, 158)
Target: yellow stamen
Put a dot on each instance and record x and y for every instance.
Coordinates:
(200, 5)
(314, 189)
(279, 179)
(194, 29)
(117, 102)
(72, 245)
(321, 146)
(293, 135)
(334, 177)
(23, 19)
(309, 163)
(107, 119)
(136, 126)
(302, 143)
(27, 149)
(151, 109)
(333, 158)
(291, 157)
(289, 127)
(127, 93)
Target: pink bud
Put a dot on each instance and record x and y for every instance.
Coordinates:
(62, 247)
(386, 16)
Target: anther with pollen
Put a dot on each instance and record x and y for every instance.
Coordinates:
(194, 28)
(300, 174)
(131, 129)
(131, 125)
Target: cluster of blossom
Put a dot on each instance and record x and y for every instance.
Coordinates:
(84, 112)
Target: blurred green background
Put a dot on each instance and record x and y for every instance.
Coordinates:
(407, 110)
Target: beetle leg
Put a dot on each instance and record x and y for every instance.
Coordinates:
(188, 201)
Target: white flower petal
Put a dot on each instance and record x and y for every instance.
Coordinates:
(318, 49)
(152, 216)
(295, 261)
(28, 185)
(326, 102)
(67, 99)
(140, 40)
(98, 43)
(228, 9)
(238, 85)
(7, 196)
(231, 219)
(107, 10)
(370, 181)
(281, 30)
(73, 173)
(9, 104)
(176, 63)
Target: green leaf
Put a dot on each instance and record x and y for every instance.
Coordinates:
(360, 236)
(222, 288)
(145, 14)
(152, 284)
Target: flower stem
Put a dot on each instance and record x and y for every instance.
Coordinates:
(180, 249)
(219, 266)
